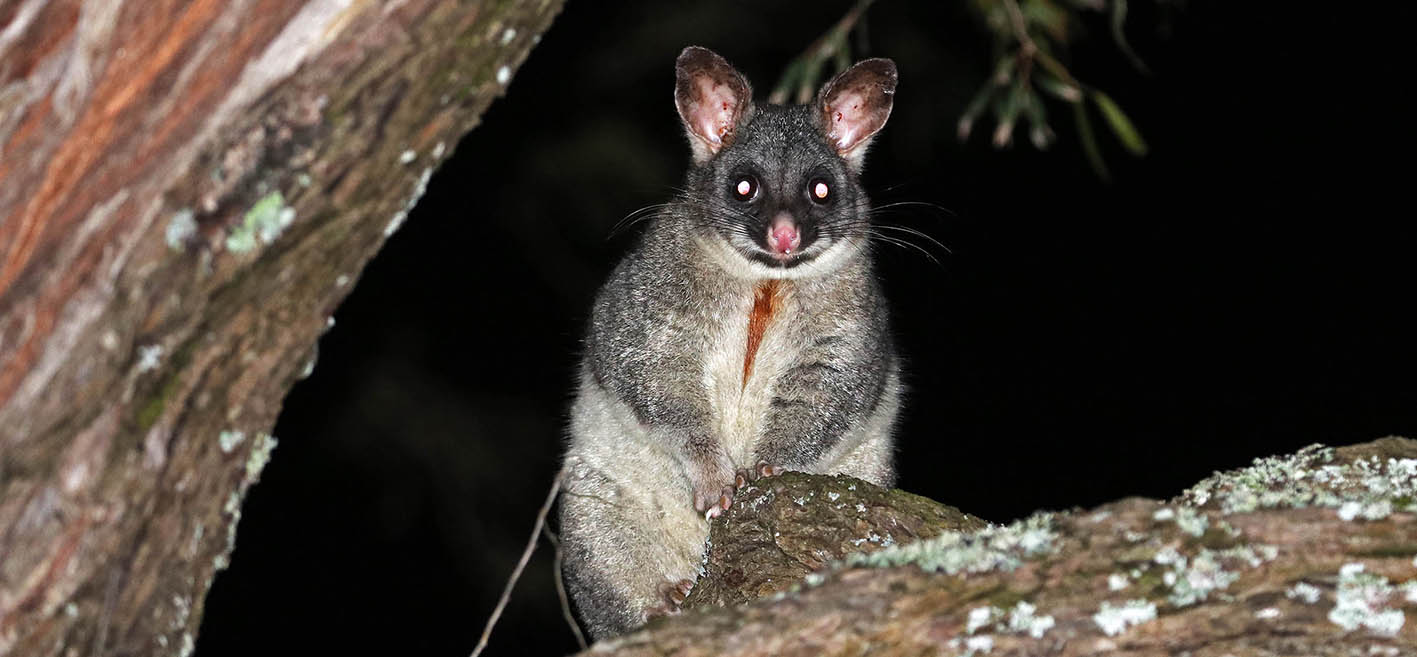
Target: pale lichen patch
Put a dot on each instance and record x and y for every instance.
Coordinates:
(970, 646)
(1115, 620)
(1191, 521)
(228, 440)
(149, 357)
(308, 368)
(260, 456)
(1409, 590)
(980, 617)
(989, 549)
(256, 461)
(1024, 620)
(1196, 580)
(262, 223)
(1371, 487)
(1362, 600)
(180, 229)
(419, 188)
(1303, 591)
(1193, 579)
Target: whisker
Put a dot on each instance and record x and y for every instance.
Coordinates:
(877, 237)
(914, 205)
(921, 234)
(642, 214)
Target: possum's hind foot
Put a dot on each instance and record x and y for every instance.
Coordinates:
(671, 596)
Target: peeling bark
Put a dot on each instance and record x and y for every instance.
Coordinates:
(187, 191)
(1313, 554)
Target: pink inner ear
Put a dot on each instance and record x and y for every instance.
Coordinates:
(849, 120)
(712, 115)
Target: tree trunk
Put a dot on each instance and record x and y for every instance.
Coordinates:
(187, 191)
(1311, 554)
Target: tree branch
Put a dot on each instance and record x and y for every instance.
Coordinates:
(1308, 554)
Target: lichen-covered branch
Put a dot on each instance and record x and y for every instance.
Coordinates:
(1310, 554)
(187, 191)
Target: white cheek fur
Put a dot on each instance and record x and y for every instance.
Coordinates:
(732, 261)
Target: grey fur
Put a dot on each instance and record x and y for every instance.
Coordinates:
(663, 416)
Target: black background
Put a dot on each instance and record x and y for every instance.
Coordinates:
(1241, 291)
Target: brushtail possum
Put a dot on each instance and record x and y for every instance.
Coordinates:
(745, 334)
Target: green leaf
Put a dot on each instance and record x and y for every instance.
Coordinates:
(785, 84)
(843, 54)
(973, 110)
(1119, 19)
(1089, 142)
(811, 73)
(1007, 112)
(1120, 124)
(1057, 88)
(1039, 132)
(1048, 17)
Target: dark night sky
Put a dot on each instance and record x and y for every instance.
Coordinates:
(1243, 290)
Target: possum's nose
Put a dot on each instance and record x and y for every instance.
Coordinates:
(783, 235)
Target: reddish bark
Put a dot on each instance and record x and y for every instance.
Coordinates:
(187, 191)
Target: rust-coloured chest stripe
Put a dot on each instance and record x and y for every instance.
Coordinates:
(765, 303)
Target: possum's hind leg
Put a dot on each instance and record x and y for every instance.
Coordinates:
(628, 556)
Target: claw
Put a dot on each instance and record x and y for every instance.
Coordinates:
(672, 595)
(679, 591)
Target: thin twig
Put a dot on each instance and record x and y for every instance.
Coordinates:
(521, 564)
(1029, 50)
(561, 586)
(806, 64)
(1020, 28)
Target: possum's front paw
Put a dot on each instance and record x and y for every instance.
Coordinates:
(713, 488)
(712, 498)
(671, 596)
(749, 475)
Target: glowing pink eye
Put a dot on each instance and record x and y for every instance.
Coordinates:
(820, 190)
(746, 188)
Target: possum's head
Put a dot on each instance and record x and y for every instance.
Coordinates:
(775, 188)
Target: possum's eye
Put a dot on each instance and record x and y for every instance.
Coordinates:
(745, 187)
(819, 190)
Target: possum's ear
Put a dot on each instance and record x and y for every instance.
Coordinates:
(855, 105)
(713, 100)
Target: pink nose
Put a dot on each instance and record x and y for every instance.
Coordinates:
(783, 236)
